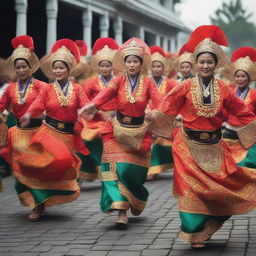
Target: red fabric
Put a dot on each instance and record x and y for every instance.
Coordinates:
(117, 89)
(47, 101)
(179, 101)
(92, 87)
(9, 99)
(25, 40)
(250, 101)
(243, 52)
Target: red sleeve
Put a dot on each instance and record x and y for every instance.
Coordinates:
(171, 83)
(154, 94)
(5, 99)
(82, 98)
(38, 106)
(238, 108)
(108, 93)
(87, 87)
(174, 100)
(252, 104)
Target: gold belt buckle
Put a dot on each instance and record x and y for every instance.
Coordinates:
(127, 120)
(60, 125)
(204, 136)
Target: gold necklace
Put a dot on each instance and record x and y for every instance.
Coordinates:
(130, 96)
(21, 99)
(63, 100)
(208, 110)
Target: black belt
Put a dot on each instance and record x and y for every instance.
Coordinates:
(59, 125)
(230, 134)
(129, 120)
(206, 137)
(34, 123)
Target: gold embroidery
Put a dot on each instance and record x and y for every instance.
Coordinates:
(63, 100)
(211, 227)
(3, 134)
(248, 97)
(22, 100)
(122, 205)
(197, 98)
(129, 136)
(208, 157)
(130, 96)
(133, 201)
(162, 87)
(247, 134)
(109, 175)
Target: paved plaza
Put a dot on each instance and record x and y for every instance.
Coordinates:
(80, 228)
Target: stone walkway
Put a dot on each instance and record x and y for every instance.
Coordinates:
(80, 228)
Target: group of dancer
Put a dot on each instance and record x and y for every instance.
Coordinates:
(124, 116)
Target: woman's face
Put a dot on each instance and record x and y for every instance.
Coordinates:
(205, 65)
(132, 65)
(60, 71)
(23, 71)
(105, 68)
(242, 79)
(157, 69)
(185, 69)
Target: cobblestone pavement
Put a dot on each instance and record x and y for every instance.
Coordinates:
(80, 228)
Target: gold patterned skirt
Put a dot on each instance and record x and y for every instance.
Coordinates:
(45, 165)
(209, 184)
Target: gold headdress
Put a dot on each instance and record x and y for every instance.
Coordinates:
(208, 38)
(23, 49)
(134, 46)
(244, 59)
(63, 50)
(158, 54)
(104, 48)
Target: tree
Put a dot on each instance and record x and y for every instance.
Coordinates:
(234, 20)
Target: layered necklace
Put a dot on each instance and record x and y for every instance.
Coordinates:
(64, 93)
(23, 90)
(132, 84)
(104, 80)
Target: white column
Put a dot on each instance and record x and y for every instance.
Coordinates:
(173, 45)
(157, 40)
(165, 43)
(104, 25)
(141, 33)
(118, 29)
(87, 28)
(51, 13)
(21, 17)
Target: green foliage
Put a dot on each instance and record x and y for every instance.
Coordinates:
(234, 20)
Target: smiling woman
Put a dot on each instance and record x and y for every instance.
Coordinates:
(208, 184)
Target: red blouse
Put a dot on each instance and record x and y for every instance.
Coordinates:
(56, 105)
(186, 99)
(11, 97)
(92, 87)
(130, 104)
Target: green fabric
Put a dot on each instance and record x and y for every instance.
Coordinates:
(161, 155)
(131, 175)
(192, 223)
(41, 195)
(249, 161)
(91, 161)
(11, 120)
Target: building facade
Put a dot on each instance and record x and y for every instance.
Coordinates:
(154, 21)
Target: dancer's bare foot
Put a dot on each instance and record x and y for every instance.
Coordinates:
(122, 219)
(197, 245)
(135, 212)
(36, 213)
(151, 177)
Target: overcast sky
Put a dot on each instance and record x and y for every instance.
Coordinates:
(197, 12)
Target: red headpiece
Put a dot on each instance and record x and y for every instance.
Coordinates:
(70, 45)
(102, 42)
(158, 49)
(25, 41)
(213, 32)
(244, 52)
(183, 49)
(82, 47)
